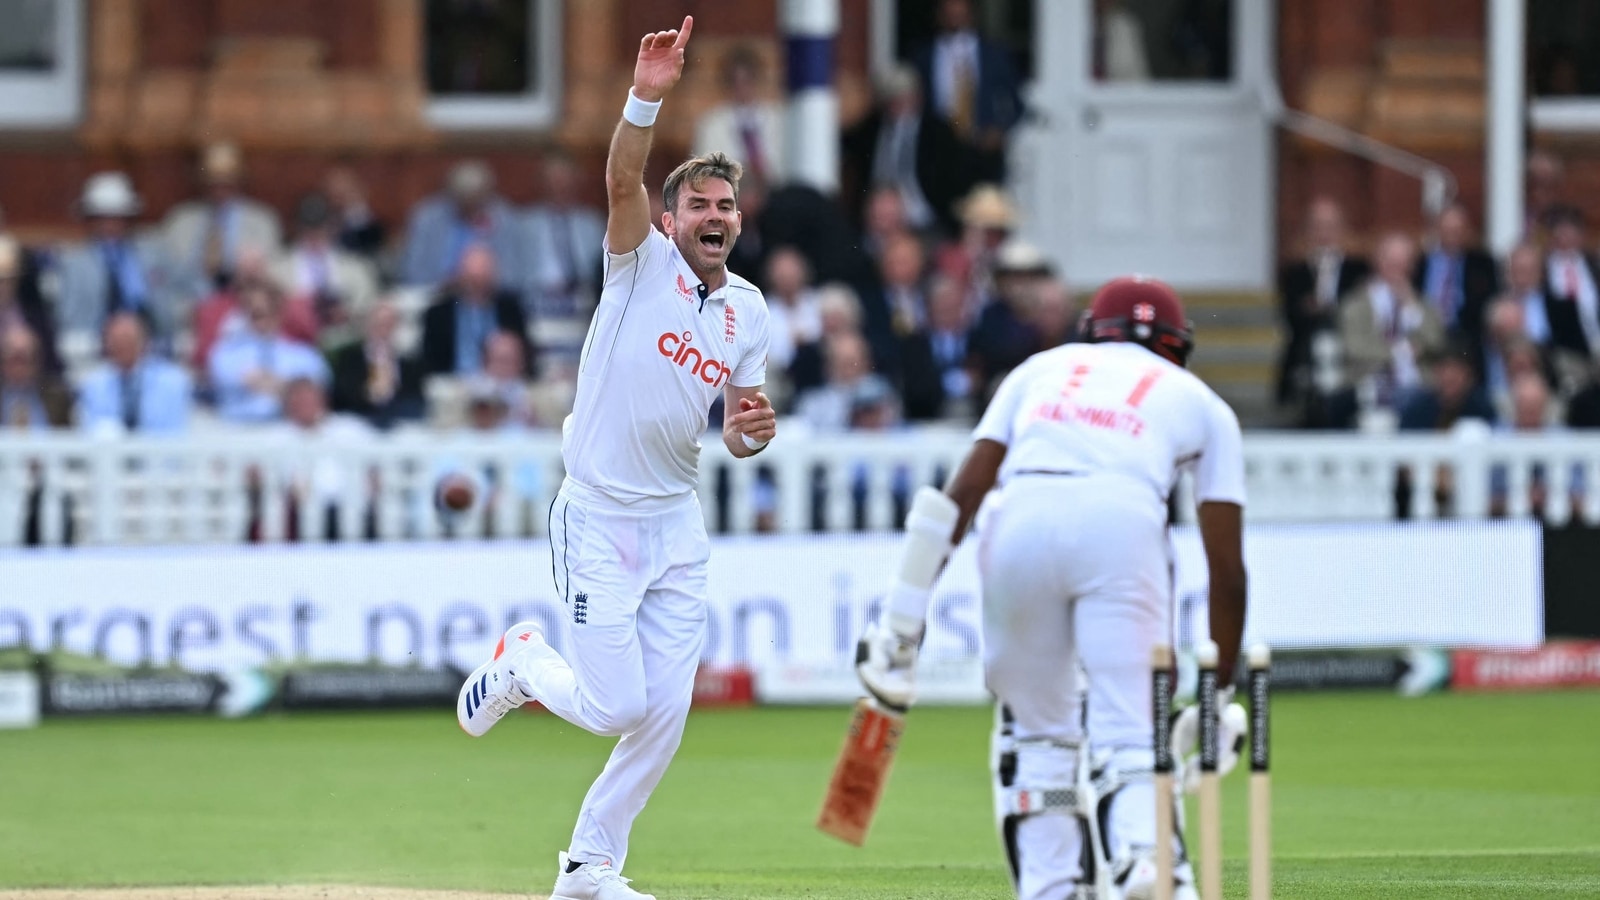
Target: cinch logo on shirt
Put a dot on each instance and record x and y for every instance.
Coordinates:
(676, 348)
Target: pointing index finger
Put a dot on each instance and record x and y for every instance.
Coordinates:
(683, 33)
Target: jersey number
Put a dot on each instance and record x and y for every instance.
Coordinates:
(1135, 396)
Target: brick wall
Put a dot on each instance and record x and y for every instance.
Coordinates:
(1406, 71)
(166, 76)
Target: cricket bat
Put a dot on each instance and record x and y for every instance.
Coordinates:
(861, 773)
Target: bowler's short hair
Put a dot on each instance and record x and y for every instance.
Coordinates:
(696, 170)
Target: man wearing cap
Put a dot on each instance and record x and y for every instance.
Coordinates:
(987, 221)
(1004, 335)
(114, 271)
(206, 236)
(468, 213)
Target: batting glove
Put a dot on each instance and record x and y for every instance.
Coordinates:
(1232, 727)
(886, 664)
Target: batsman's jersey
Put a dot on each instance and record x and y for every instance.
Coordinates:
(1116, 411)
(657, 355)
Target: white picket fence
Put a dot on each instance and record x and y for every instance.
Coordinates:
(69, 488)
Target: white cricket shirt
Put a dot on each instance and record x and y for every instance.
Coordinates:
(1117, 409)
(653, 362)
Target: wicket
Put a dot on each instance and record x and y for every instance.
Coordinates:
(1209, 870)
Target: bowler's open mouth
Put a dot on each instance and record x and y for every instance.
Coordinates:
(713, 240)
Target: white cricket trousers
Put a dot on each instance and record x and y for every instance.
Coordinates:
(1075, 571)
(634, 584)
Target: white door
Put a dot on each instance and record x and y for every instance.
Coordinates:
(1167, 176)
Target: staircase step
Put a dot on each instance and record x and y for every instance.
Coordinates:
(1234, 370)
(1236, 335)
(1195, 300)
(1228, 316)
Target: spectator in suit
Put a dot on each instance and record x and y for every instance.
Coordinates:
(974, 87)
(30, 400)
(904, 146)
(1053, 315)
(1505, 339)
(565, 247)
(840, 312)
(468, 214)
(1525, 290)
(1457, 279)
(793, 306)
(1452, 393)
(1546, 177)
(134, 391)
(250, 366)
(372, 379)
(901, 270)
(883, 218)
(1572, 288)
(1004, 335)
(337, 285)
(114, 271)
(456, 327)
(204, 237)
(1385, 329)
(356, 228)
(21, 303)
(936, 378)
(1583, 410)
(505, 372)
(1309, 289)
(829, 407)
(745, 126)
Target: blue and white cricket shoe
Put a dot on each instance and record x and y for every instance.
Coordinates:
(491, 690)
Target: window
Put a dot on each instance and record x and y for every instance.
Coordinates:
(41, 62)
(1563, 72)
(1162, 40)
(493, 63)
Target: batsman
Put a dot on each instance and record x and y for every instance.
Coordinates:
(1077, 455)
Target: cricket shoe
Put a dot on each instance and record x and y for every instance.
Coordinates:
(492, 690)
(1139, 883)
(593, 881)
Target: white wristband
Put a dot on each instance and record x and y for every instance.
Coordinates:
(751, 442)
(640, 112)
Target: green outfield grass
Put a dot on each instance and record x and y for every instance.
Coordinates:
(1375, 796)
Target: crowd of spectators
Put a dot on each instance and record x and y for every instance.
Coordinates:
(1440, 335)
(903, 299)
(1425, 334)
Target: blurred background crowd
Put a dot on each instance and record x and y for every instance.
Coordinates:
(902, 297)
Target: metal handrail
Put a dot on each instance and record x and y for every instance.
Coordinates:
(1439, 185)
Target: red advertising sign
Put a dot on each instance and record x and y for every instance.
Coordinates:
(1557, 664)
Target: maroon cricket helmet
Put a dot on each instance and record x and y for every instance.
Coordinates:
(1140, 310)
